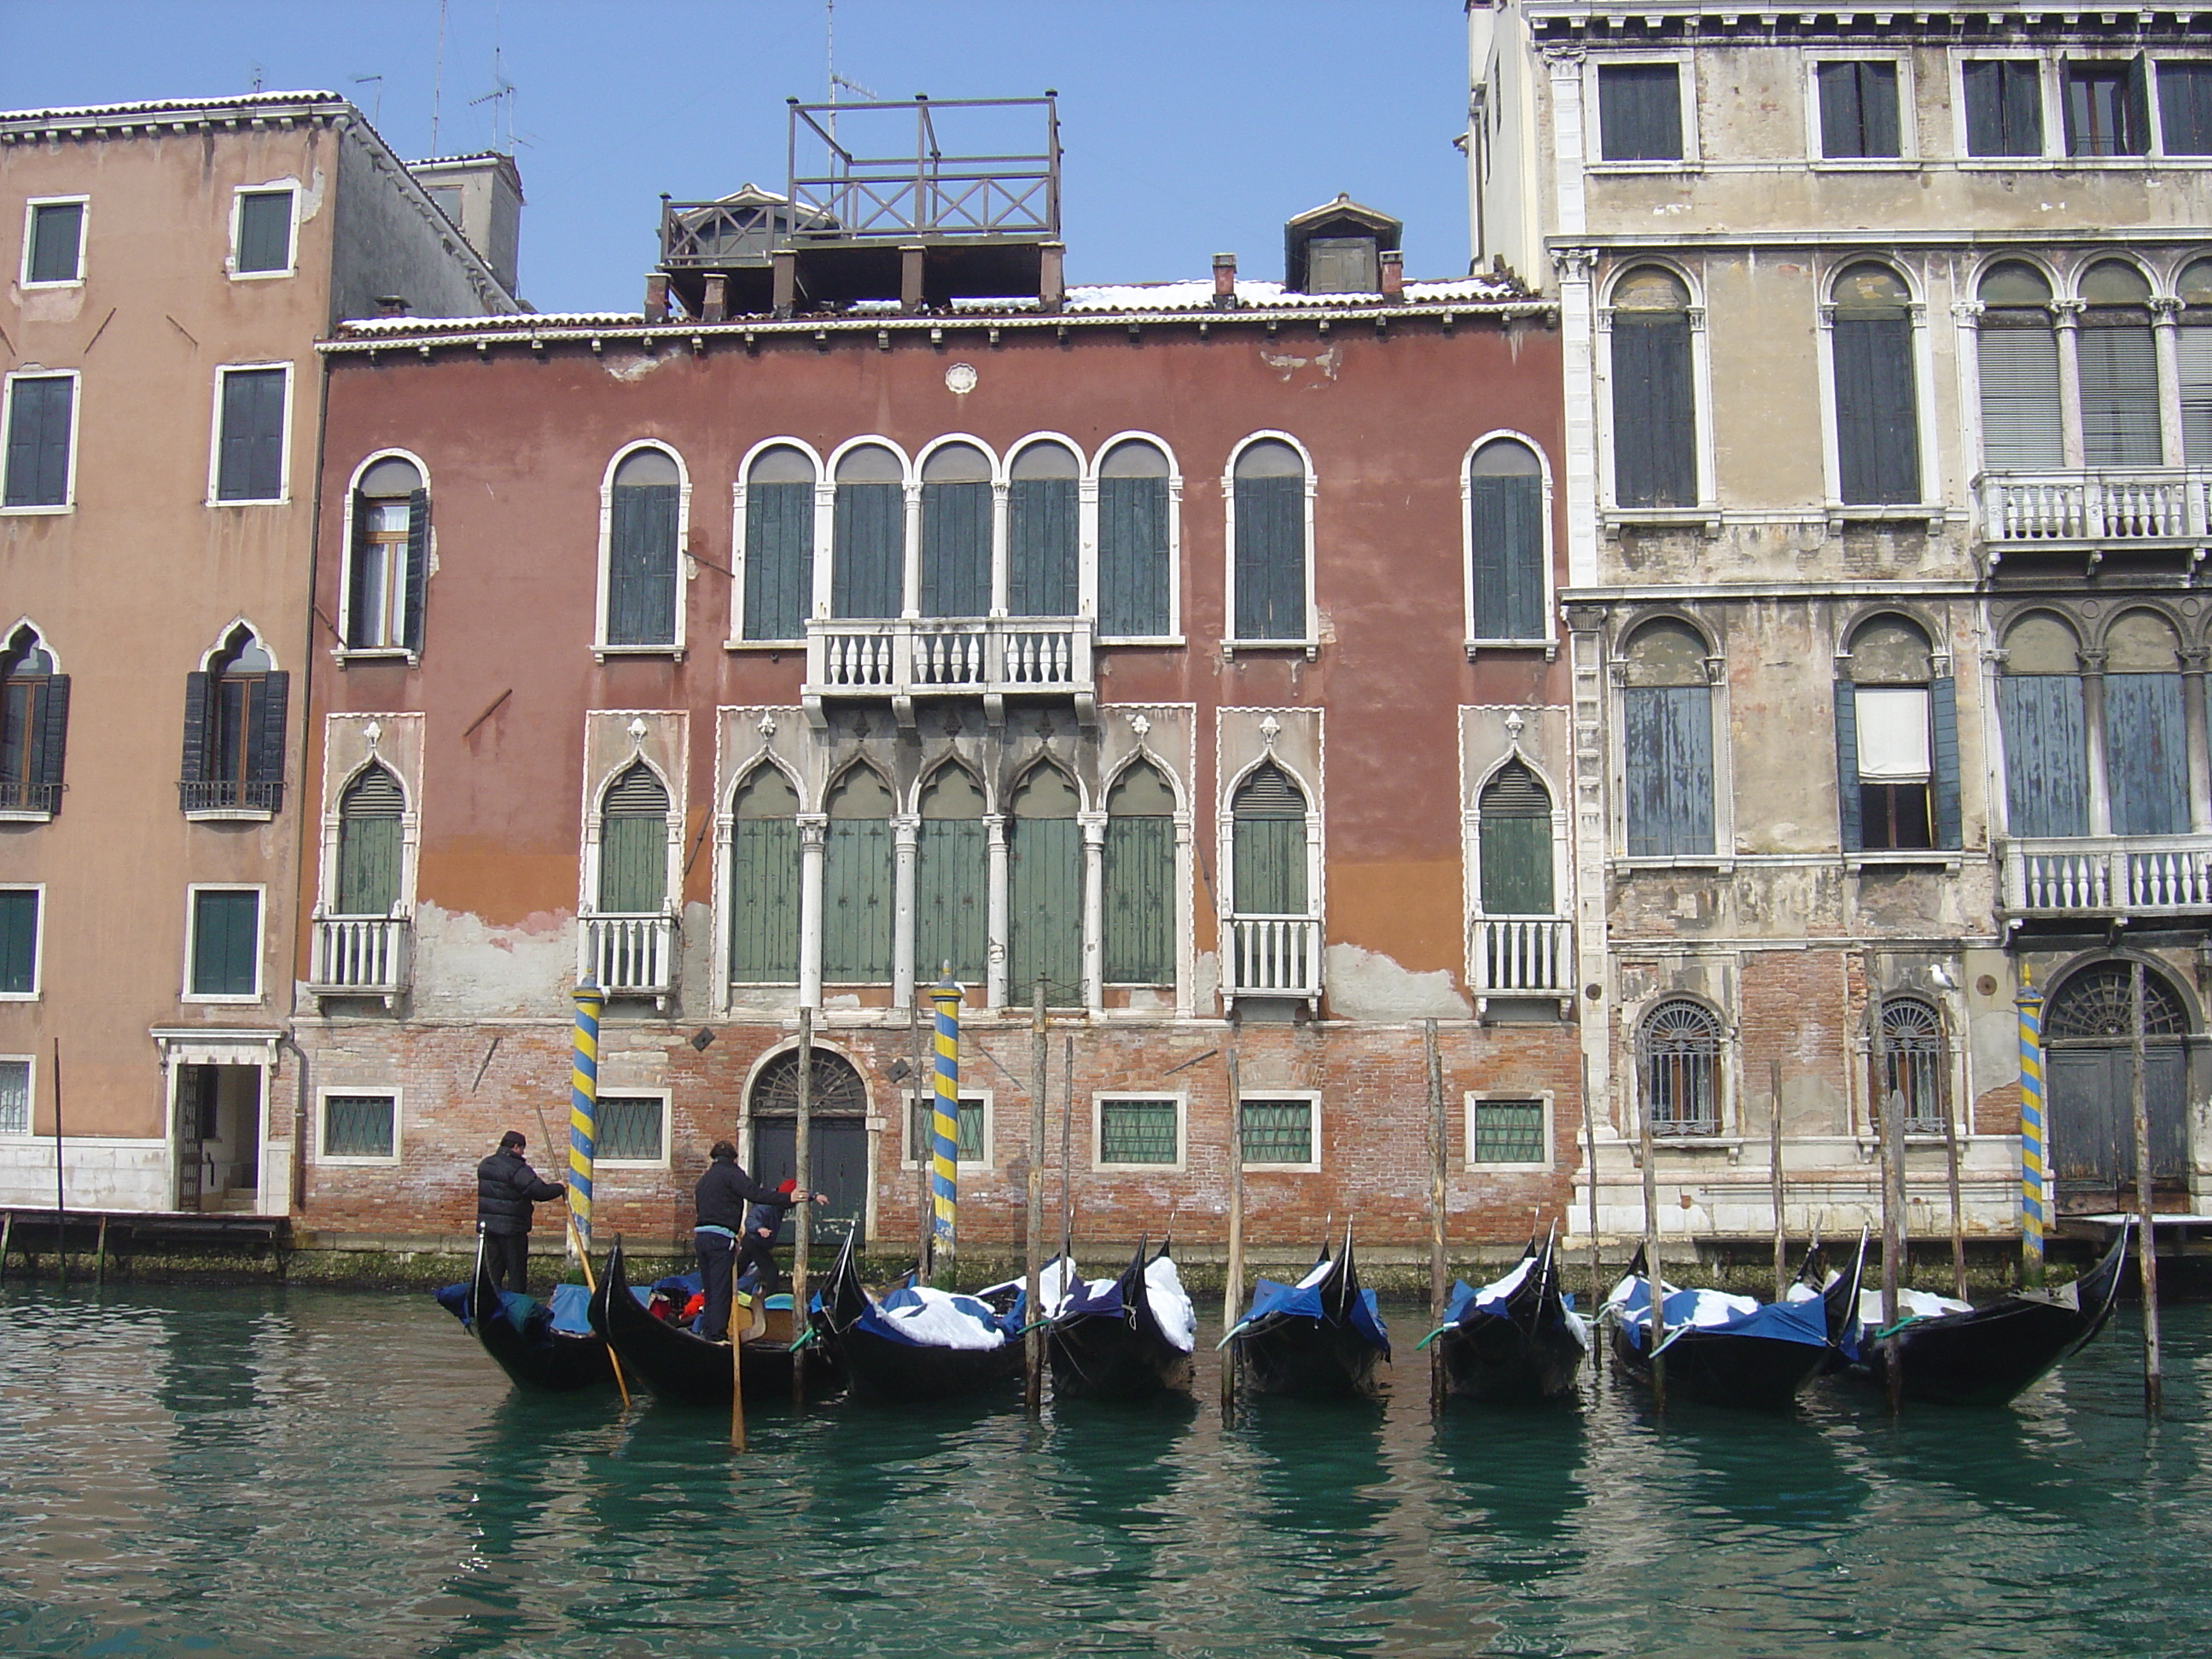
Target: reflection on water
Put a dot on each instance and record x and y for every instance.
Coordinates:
(297, 1473)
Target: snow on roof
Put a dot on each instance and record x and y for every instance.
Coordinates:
(162, 105)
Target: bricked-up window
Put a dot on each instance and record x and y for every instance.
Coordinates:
(1278, 1131)
(360, 1126)
(1137, 1131)
(1858, 111)
(2108, 108)
(1678, 1063)
(19, 941)
(631, 1129)
(2184, 108)
(53, 247)
(1639, 111)
(250, 434)
(2004, 107)
(264, 232)
(779, 593)
(1508, 1132)
(41, 427)
(14, 1097)
(33, 725)
(225, 948)
(920, 1108)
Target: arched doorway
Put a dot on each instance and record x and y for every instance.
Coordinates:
(837, 1112)
(2087, 1030)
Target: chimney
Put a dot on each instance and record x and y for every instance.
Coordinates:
(656, 297)
(391, 304)
(715, 306)
(1052, 276)
(1224, 281)
(1393, 262)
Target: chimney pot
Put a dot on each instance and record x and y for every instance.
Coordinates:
(1224, 281)
(391, 304)
(1393, 265)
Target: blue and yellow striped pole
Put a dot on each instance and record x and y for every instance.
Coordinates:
(2030, 1003)
(584, 1106)
(944, 1121)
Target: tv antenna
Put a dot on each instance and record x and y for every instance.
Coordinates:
(376, 111)
(501, 99)
(829, 53)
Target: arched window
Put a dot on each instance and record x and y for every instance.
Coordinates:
(642, 523)
(391, 558)
(33, 725)
(2119, 368)
(856, 881)
(1653, 401)
(2018, 349)
(2039, 711)
(235, 713)
(1140, 878)
(633, 844)
(1916, 1063)
(956, 531)
(1042, 532)
(764, 881)
(779, 544)
(837, 1134)
(1678, 1047)
(1877, 410)
(952, 870)
(1134, 561)
(1270, 496)
(1044, 888)
(867, 557)
(1896, 742)
(2193, 352)
(1666, 739)
(2145, 742)
(1514, 819)
(1267, 844)
(370, 814)
(1505, 537)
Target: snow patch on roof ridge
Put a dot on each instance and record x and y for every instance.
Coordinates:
(256, 99)
(610, 319)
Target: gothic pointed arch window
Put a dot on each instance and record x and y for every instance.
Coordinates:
(1140, 878)
(1044, 888)
(634, 841)
(389, 562)
(644, 515)
(33, 725)
(1515, 820)
(856, 880)
(765, 880)
(956, 531)
(1267, 845)
(1678, 1050)
(951, 868)
(867, 540)
(1042, 532)
(370, 815)
(234, 719)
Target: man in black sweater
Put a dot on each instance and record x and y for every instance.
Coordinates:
(722, 1195)
(507, 1186)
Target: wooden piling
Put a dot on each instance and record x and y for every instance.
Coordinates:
(1232, 1285)
(61, 1206)
(1774, 1178)
(2147, 1241)
(803, 1172)
(1889, 1109)
(1437, 1200)
(99, 1261)
(1654, 1282)
(7, 1227)
(1033, 1339)
(738, 1378)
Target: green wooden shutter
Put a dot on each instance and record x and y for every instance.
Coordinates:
(955, 549)
(856, 901)
(1270, 867)
(1516, 836)
(370, 844)
(1133, 556)
(778, 560)
(1506, 524)
(418, 569)
(225, 924)
(38, 442)
(1943, 725)
(634, 845)
(19, 941)
(1139, 880)
(1849, 816)
(1271, 558)
(1041, 547)
(867, 556)
(949, 912)
(763, 901)
(641, 565)
(1044, 908)
(50, 740)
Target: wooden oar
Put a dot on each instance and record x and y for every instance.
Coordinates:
(583, 1256)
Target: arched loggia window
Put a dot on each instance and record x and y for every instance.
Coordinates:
(391, 559)
(1042, 532)
(1044, 888)
(33, 725)
(1134, 566)
(764, 881)
(1654, 399)
(2119, 361)
(1877, 406)
(956, 531)
(2041, 713)
(951, 866)
(644, 519)
(1140, 878)
(2022, 425)
(856, 881)
(369, 843)
(779, 593)
(1896, 742)
(867, 559)
(1666, 739)
(2146, 740)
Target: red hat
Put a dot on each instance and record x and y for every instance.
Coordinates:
(789, 1185)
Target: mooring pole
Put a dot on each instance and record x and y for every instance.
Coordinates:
(1654, 1282)
(1958, 1207)
(7, 1226)
(918, 1127)
(1890, 1120)
(1774, 1178)
(803, 1170)
(61, 1206)
(99, 1261)
(1437, 1200)
(1033, 1339)
(1232, 1284)
(2146, 1242)
(1597, 1286)
(1067, 1147)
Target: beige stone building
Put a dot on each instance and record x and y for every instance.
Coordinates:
(168, 268)
(1888, 357)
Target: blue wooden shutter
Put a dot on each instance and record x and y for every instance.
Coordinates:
(950, 913)
(641, 565)
(867, 557)
(764, 900)
(778, 560)
(856, 901)
(1847, 766)
(1139, 901)
(1670, 770)
(1132, 556)
(2046, 759)
(955, 549)
(1654, 417)
(1943, 723)
(418, 569)
(1041, 547)
(1271, 559)
(38, 442)
(2146, 755)
(1044, 908)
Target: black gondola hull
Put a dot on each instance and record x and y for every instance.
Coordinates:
(678, 1365)
(883, 1371)
(1493, 1360)
(1721, 1368)
(1308, 1360)
(567, 1363)
(1115, 1356)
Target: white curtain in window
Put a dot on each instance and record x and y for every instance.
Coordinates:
(1893, 734)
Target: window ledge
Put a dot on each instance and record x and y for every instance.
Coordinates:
(1231, 648)
(353, 654)
(673, 653)
(201, 998)
(38, 510)
(1549, 647)
(1674, 164)
(50, 288)
(744, 645)
(259, 275)
(250, 501)
(1707, 519)
(17, 815)
(1931, 514)
(1713, 862)
(322, 1162)
(19, 996)
(1140, 639)
(1865, 163)
(230, 815)
(1891, 859)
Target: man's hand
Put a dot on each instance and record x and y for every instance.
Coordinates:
(765, 1232)
(821, 1198)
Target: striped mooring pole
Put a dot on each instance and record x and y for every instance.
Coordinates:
(945, 1122)
(584, 1105)
(2030, 1003)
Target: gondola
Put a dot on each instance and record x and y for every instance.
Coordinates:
(1718, 1349)
(1125, 1339)
(916, 1344)
(1514, 1341)
(680, 1365)
(1318, 1339)
(547, 1349)
(1959, 1355)
(1837, 1293)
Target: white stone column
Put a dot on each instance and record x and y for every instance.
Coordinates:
(1093, 909)
(2068, 315)
(905, 838)
(812, 827)
(994, 942)
(2093, 724)
(2165, 316)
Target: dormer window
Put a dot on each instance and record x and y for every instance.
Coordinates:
(1337, 248)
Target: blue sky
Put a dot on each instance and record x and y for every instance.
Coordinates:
(1190, 128)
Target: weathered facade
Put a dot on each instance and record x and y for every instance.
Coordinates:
(1191, 649)
(1886, 361)
(169, 269)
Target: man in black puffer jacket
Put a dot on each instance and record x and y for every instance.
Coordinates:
(722, 1197)
(505, 1188)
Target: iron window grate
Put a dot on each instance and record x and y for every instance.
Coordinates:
(1277, 1132)
(1136, 1132)
(1509, 1132)
(358, 1125)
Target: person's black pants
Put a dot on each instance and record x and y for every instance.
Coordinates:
(506, 1259)
(754, 1251)
(718, 1256)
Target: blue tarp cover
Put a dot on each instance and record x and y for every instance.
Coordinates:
(571, 1309)
(968, 1307)
(1107, 1301)
(1775, 1322)
(1303, 1302)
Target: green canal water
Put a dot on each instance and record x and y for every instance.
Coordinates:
(257, 1473)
